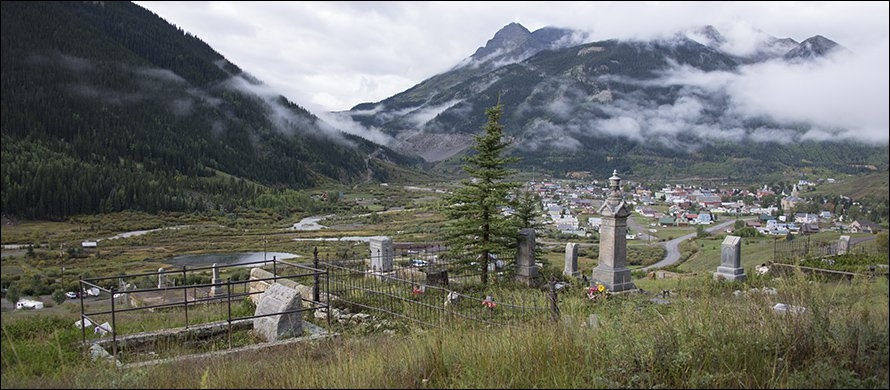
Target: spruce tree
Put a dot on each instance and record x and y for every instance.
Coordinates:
(526, 208)
(477, 229)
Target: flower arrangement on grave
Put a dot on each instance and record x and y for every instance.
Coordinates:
(597, 292)
(489, 302)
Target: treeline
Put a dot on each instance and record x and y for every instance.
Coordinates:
(41, 184)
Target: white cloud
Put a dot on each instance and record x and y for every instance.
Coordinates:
(344, 123)
(845, 92)
(421, 116)
(330, 56)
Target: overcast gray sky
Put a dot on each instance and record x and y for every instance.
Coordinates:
(330, 56)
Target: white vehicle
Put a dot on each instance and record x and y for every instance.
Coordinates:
(28, 304)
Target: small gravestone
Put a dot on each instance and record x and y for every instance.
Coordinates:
(526, 269)
(843, 245)
(438, 277)
(162, 279)
(215, 290)
(381, 253)
(279, 298)
(731, 260)
(593, 321)
(571, 267)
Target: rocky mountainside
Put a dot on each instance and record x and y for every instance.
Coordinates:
(632, 105)
(812, 48)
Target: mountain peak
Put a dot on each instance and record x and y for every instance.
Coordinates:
(507, 39)
(514, 43)
(813, 47)
(707, 35)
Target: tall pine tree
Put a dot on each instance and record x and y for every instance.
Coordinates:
(477, 228)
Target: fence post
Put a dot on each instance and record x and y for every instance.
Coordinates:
(113, 327)
(274, 269)
(327, 295)
(185, 297)
(315, 277)
(554, 308)
(83, 328)
(229, 308)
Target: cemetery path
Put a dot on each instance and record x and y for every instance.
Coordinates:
(673, 246)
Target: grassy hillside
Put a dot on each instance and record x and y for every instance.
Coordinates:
(856, 187)
(705, 337)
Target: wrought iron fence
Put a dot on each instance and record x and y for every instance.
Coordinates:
(179, 292)
(428, 287)
(790, 251)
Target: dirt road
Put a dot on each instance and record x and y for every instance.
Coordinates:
(673, 246)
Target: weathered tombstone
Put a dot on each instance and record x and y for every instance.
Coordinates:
(279, 298)
(97, 353)
(215, 290)
(593, 322)
(843, 245)
(438, 277)
(526, 269)
(731, 260)
(612, 270)
(571, 266)
(162, 279)
(381, 253)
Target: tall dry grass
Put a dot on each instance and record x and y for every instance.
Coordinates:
(704, 334)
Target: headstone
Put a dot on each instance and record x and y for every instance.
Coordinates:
(83, 323)
(526, 269)
(612, 270)
(260, 280)
(216, 289)
(571, 266)
(103, 329)
(451, 298)
(162, 279)
(97, 353)
(279, 298)
(437, 277)
(381, 253)
(731, 260)
(784, 308)
(843, 245)
(593, 321)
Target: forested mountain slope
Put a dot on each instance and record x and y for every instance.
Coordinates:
(106, 107)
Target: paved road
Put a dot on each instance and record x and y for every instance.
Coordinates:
(673, 246)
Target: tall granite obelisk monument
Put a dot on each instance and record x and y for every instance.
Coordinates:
(612, 268)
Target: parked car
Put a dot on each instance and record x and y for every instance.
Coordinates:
(71, 295)
(419, 263)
